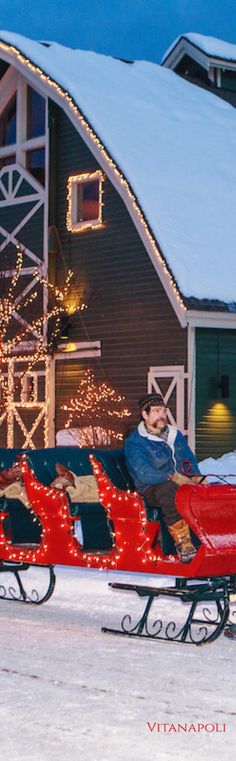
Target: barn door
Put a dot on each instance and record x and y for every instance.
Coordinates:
(170, 381)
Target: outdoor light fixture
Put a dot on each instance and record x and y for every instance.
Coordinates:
(223, 385)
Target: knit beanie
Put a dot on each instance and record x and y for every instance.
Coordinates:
(151, 400)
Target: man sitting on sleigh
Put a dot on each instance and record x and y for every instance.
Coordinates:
(155, 453)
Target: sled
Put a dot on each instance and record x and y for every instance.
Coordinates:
(134, 544)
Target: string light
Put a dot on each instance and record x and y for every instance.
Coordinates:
(10, 349)
(106, 156)
(131, 539)
(73, 181)
(96, 406)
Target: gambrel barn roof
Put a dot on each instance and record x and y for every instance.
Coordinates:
(168, 146)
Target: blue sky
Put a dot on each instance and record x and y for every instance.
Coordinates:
(125, 28)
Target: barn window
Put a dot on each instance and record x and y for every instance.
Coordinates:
(84, 201)
(35, 163)
(6, 160)
(35, 114)
(3, 68)
(8, 124)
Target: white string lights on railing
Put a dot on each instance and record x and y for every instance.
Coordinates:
(106, 156)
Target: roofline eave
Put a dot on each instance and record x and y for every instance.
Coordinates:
(183, 46)
(211, 319)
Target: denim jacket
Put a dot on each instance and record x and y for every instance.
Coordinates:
(151, 460)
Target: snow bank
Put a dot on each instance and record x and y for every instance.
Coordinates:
(223, 466)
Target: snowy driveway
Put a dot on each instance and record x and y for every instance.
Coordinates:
(69, 692)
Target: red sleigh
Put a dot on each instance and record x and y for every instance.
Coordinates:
(210, 511)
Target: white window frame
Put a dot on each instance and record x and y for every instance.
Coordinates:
(11, 83)
(72, 197)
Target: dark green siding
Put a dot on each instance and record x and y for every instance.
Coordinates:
(31, 234)
(215, 416)
(128, 309)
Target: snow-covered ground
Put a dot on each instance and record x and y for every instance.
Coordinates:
(71, 692)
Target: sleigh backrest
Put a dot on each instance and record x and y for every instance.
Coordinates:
(74, 458)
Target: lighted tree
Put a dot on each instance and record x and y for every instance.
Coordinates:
(99, 411)
(15, 330)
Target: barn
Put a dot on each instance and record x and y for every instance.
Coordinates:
(124, 173)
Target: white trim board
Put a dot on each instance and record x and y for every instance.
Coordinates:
(186, 47)
(205, 319)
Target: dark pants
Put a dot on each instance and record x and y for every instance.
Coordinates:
(163, 496)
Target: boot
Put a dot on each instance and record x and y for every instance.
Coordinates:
(180, 533)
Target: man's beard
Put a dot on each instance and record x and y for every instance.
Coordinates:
(160, 425)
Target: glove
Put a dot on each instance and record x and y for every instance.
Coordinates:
(180, 479)
(199, 480)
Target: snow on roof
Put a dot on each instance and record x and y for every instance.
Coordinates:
(213, 47)
(176, 145)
